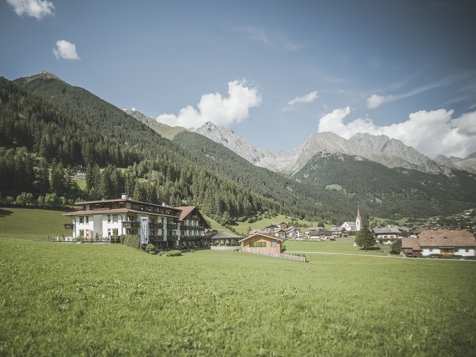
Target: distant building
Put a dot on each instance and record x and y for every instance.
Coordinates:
(353, 226)
(441, 241)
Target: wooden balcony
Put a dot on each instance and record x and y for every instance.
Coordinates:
(155, 225)
(130, 224)
(69, 226)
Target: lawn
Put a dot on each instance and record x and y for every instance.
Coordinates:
(31, 223)
(341, 245)
(111, 300)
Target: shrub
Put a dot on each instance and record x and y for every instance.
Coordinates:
(173, 253)
(131, 241)
(150, 248)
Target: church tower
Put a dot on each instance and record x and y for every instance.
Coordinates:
(358, 221)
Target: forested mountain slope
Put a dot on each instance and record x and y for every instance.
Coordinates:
(167, 171)
(390, 190)
(288, 192)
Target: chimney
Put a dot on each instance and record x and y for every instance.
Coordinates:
(124, 196)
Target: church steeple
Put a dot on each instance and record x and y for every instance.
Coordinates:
(358, 221)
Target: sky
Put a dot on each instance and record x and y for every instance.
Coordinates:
(273, 71)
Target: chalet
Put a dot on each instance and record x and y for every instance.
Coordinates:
(387, 233)
(264, 242)
(441, 241)
(275, 227)
(311, 231)
(338, 232)
(160, 225)
(292, 232)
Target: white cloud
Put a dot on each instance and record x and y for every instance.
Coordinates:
(254, 33)
(376, 101)
(65, 50)
(274, 39)
(217, 109)
(431, 133)
(305, 98)
(33, 8)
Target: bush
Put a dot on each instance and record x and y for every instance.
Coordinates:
(173, 253)
(131, 241)
(150, 248)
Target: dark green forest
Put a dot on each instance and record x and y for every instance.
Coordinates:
(388, 191)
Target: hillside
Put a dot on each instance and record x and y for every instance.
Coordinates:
(287, 192)
(164, 130)
(387, 191)
(166, 171)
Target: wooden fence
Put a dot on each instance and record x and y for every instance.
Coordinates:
(276, 255)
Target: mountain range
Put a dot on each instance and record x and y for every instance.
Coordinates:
(381, 149)
(217, 169)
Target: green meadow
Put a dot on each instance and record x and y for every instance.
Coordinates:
(340, 245)
(110, 300)
(32, 223)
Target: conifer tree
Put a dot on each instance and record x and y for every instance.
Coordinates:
(365, 238)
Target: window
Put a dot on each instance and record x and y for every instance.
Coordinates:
(81, 219)
(114, 232)
(86, 219)
(273, 244)
(114, 218)
(109, 218)
(258, 244)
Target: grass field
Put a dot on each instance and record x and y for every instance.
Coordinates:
(111, 300)
(31, 223)
(341, 245)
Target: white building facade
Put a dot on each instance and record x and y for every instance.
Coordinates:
(160, 225)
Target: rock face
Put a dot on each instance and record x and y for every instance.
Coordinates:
(468, 164)
(235, 142)
(381, 149)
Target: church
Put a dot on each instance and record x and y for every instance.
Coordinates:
(353, 226)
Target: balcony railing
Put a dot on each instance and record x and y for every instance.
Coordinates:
(155, 225)
(172, 226)
(69, 226)
(130, 224)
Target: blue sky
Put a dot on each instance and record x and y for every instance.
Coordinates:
(273, 71)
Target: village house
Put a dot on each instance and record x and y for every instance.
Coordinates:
(161, 225)
(312, 231)
(441, 241)
(338, 232)
(262, 242)
(387, 234)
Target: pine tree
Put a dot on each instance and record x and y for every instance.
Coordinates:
(365, 238)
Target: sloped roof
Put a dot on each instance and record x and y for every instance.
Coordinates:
(410, 243)
(387, 230)
(264, 235)
(446, 238)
